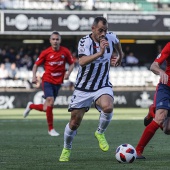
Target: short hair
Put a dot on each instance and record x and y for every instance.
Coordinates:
(98, 19)
(56, 33)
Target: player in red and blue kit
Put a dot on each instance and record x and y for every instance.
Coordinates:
(54, 59)
(162, 101)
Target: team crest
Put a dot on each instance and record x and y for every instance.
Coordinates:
(81, 50)
(158, 56)
(62, 56)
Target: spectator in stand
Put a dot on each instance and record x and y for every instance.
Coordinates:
(26, 61)
(3, 55)
(54, 60)
(12, 72)
(11, 54)
(3, 72)
(7, 63)
(18, 61)
(126, 53)
(131, 60)
(21, 51)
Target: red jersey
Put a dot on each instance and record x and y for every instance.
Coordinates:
(54, 64)
(165, 56)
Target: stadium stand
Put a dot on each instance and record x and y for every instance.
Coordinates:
(119, 77)
(127, 5)
(137, 76)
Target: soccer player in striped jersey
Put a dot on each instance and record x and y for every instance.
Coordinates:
(162, 102)
(54, 59)
(92, 83)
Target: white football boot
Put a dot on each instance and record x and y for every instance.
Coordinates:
(52, 132)
(27, 110)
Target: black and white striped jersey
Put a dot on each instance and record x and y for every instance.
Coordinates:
(95, 75)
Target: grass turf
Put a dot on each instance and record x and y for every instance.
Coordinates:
(25, 144)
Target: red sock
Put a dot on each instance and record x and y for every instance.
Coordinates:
(38, 107)
(151, 111)
(146, 136)
(49, 114)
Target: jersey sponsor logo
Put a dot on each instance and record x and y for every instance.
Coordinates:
(56, 74)
(56, 63)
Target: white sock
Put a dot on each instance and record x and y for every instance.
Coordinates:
(104, 121)
(68, 137)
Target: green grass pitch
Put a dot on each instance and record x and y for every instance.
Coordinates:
(25, 144)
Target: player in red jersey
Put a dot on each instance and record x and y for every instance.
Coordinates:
(54, 59)
(162, 101)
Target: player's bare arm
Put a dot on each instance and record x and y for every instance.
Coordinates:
(155, 68)
(34, 71)
(67, 74)
(84, 60)
(120, 54)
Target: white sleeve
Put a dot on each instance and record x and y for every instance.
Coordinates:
(113, 38)
(84, 46)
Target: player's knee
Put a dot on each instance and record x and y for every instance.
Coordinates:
(50, 101)
(159, 120)
(108, 109)
(74, 125)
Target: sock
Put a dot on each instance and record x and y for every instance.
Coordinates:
(104, 121)
(151, 111)
(38, 107)
(49, 115)
(68, 136)
(147, 136)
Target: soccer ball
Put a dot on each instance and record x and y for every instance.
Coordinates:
(125, 153)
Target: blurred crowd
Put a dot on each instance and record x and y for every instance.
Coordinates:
(13, 60)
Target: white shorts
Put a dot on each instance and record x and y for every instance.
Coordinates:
(81, 99)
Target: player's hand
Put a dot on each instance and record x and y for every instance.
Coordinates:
(163, 77)
(103, 44)
(34, 80)
(66, 76)
(115, 61)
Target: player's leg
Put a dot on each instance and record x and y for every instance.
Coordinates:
(162, 102)
(27, 109)
(166, 126)
(70, 132)
(31, 106)
(105, 106)
(149, 131)
(50, 93)
(54, 89)
(147, 135)
(48, 105)
(151, 114)
(80, 103)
